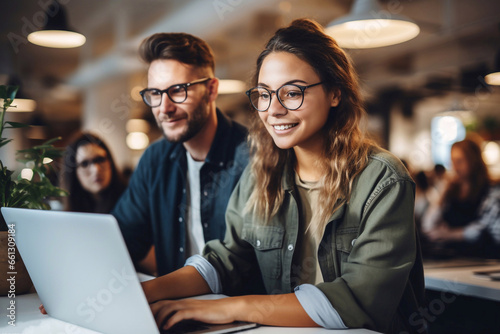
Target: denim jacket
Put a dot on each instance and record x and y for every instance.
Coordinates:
(153, 208)
(369, 254)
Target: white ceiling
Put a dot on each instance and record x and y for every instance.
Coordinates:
(457, 37)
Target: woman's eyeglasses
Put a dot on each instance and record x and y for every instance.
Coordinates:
(96, 161)
(290, 96)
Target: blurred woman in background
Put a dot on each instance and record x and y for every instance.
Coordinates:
(90, 176)
(468, 209)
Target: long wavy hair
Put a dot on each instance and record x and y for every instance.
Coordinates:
(478, 178)
(346, 149)
(79, 199)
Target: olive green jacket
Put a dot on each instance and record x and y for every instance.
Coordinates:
(369, 255)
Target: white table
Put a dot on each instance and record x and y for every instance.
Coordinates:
(457, 276)
(29, 320)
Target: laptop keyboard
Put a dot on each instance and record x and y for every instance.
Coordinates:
(186, 326)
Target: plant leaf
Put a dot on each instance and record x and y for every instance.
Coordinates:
(4, 141)
(8, 92)
(50, 141)
(16, 125)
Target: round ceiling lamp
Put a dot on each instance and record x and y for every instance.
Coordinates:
(370, 26)
(21, 105)
(56, 32)
(21, 102)
(494, 77)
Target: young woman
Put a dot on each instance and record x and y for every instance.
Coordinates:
(90, 176)
(466, 217)
(320, 229)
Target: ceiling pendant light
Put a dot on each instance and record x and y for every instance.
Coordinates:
(370, 26)
(494, 77)
(21, 103)
(56, 32)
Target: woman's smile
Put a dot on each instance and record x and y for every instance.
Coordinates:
(283, 128)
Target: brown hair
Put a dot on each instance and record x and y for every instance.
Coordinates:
(478, 178)
(346, 149)
(182, 47)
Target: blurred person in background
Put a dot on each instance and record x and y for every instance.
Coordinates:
(466, 218)
(90, 176)
(425, 195)
(438, 178)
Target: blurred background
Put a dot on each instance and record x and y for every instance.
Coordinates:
(421, 95)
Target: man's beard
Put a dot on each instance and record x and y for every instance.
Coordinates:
(199, 118)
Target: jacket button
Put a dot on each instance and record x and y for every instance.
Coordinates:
(205, 193)
(258, 243)
(353, 242)
(180, 219)
(205, 225)
(290, 247)
(181, 249)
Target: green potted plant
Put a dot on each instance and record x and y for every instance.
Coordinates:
(22, 193)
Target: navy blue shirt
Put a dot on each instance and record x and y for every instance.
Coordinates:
(153, 209)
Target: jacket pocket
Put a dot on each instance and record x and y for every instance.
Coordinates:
(345, 240)
(267, 242)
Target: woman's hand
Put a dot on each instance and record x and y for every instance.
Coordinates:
(169, 312)
(272, 310)
(42, 309)
(187, 282)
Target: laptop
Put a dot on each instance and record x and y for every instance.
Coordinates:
(83, 274)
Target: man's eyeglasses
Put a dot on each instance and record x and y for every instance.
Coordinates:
(176, 93)
(99, 160)
(290, 96)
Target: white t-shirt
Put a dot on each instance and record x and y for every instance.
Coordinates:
(195, 238)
